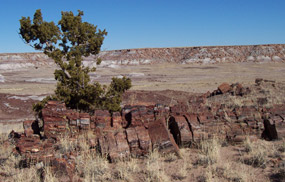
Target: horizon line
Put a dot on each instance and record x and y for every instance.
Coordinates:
(210, 46)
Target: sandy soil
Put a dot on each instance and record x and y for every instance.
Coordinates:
(184, 77)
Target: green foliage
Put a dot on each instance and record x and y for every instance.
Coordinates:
(113, 96)
(66, 43)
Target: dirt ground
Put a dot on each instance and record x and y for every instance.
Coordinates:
(184, 77)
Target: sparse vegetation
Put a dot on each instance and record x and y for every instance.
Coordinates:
(235, 172)
(209, 152)
(257, 154)
(281, 148)
(155, 169)
(126, 170)
(91, 166)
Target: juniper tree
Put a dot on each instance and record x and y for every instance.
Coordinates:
(67, 42)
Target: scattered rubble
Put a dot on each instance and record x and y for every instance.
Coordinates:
(234, 89)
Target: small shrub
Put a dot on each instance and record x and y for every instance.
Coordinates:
(67, 42)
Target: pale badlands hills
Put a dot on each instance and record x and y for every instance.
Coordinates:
(181, 55)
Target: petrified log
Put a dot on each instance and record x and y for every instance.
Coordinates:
(161, 139)
(139, 129)
(102, 119)
(144, 140)
(133, 141)
(117, 121)
(180, 129)
(280, 125)
(31, 127)
(114, 145)
(224, 88)
(122, 145)
(269, 132)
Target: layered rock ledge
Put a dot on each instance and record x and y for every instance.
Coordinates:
(181, 55)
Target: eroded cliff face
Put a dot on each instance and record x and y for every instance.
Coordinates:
(213, 54)
(181, 55)
(14, 61)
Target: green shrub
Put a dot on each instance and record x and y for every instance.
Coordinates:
(67, 43)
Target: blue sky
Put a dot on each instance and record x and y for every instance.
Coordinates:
(157, 23)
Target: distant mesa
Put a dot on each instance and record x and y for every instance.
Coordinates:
(180, 55)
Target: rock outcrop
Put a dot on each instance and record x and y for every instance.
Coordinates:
(181, 55)
(139, 129)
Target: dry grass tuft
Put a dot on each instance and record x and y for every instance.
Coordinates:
(235, 173)
(170, 157)
(66, 145)
(281, 147)
(82, 143)
(209, 152)
(49, 175)
(185, 164)
(248, 145)
(229, 171)
(9, 166)
(257, 153)
(126, 170)
(155, 169)
(26, 175)
(5, 147)
(93, 167)
(209, 175)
